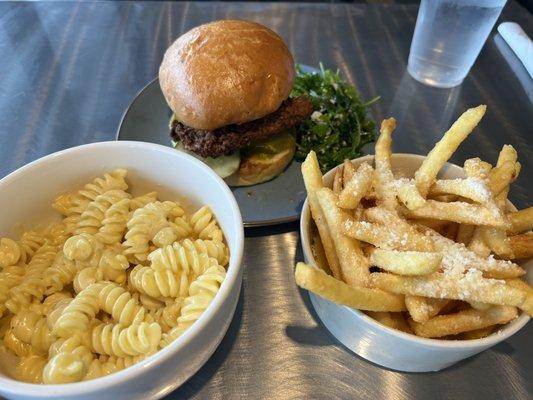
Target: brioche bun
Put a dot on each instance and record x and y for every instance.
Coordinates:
(226, 72)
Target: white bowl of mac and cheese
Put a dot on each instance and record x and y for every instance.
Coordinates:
(114, 291)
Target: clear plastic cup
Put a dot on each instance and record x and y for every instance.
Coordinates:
(449, 35)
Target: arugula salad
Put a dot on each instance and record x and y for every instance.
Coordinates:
(339, 126)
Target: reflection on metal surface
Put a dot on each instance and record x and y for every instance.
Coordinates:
(409, 106)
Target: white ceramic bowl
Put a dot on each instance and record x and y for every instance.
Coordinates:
(378, 343)
(26, 196)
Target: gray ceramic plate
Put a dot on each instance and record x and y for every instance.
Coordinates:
(277, 201)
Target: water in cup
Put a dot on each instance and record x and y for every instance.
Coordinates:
(449, 35)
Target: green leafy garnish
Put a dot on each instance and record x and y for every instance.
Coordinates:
(339, 126)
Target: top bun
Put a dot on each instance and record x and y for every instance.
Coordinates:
(226, 72)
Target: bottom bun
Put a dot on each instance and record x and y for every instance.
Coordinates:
(261, 168)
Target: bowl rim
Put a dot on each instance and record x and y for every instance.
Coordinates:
(15, 387)
(505, 332)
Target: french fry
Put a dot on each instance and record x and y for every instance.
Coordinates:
(460, 212)
(461, 257)
(496, 240)
(422, 309)
(320, 254)
(520, 284)
(410, 196)
(337, 180)
(478, 245)
(383, 317)
(433, 224)
(384, 177)
(316, 280)
(464, 233)
(467, 320)
(348, 171)
(443, 150)
(470, 188)
(386, 237)
(521, 221)
(507, 154)
(501, 176)
(439, 286)
(493, 238)
(406, 262)
(400, 323)
(357, 187)
(479, 306)
(394, 320)
(383, 216)
(522, 245)
(478, 333)
(475, 168)
(354, 265)
(313, 182)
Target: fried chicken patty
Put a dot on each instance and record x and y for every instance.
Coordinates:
(225, 140)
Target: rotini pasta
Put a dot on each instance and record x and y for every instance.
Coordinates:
(114, 340)
(113, 266)
(9, 252)
(148, 302)
(91, 220)
(159, 283)
(60, 273)
(57, 234)
(167, 316)
(84, 248)
(205, 225)
(113, 282)
(9, 277)
(64, 368)
(33, 285)
(141, 201)
(17, 346)
(113, 224)
(56, 311)
(181, 259)
(31, 328)
(142, 227)
(76, 316)
(201, 292)
(76, 204)
(86, 277)
(165, 237)
(49, 303)
(77, 345)
(30, 369)
(118, 302)
(213, 248)
(63, 203)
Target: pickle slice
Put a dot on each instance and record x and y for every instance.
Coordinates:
(224, 166)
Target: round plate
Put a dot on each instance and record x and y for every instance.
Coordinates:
(277, 201)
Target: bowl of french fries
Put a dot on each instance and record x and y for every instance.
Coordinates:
(414, 263)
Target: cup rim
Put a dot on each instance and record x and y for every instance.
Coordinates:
(15, 387)
(505, 332)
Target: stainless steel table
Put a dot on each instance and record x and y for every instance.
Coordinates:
(68, 71)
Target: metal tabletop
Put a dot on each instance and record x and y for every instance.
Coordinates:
(68, 70)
